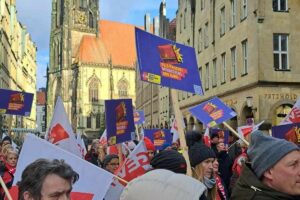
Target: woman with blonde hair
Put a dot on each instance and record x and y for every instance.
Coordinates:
(202, 158)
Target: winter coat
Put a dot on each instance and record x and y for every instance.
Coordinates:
(163, 184)
(249, 187)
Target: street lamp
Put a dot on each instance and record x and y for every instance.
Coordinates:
(249, 101)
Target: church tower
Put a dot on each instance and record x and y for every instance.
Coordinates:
(70, 21)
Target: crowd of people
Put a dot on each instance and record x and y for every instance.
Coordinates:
(268, 169)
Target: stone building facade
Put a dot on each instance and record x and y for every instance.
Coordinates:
(17, 62)
(246, 50)
(91, 60)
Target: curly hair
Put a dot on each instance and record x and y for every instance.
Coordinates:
(35, 173)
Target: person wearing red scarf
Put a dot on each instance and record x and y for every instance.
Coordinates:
(10, 169)
(221, 190)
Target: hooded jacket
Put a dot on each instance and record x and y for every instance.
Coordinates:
(163, 184)
(249, 187)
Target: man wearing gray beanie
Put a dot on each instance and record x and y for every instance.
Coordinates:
(273, 171)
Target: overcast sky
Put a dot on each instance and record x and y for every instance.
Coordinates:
(36, 16)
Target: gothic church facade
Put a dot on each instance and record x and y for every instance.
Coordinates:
(91, 60)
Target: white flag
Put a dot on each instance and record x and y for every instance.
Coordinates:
(60, 131)
(294, 115)
(243, 131)
(93, 181)
(81, 145)
(136, 164)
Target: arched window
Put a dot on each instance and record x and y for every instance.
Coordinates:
(91, 20)
(83, 3)
(98, 120)
(123, 88)
(89, 122)
(93, 90)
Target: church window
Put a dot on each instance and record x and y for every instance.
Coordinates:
(91, 20)
(123, 88)
(89, 122)
(83, 3)
(98, 120)
(93, 90)
(61, 17)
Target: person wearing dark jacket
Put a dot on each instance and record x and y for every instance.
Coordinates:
(274, 172)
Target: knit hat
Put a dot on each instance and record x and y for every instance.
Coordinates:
(149, 144)
(193, 137)
(7, 138)
(170, 160)
(200, 152)
(265, 151)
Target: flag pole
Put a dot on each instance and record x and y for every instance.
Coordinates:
(236, 134)
(178, 117)
(5, 189)
(120, 179)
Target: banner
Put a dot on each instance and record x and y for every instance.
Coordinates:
(60, 131)
(15, 102)
(167, 63)
(212, 112)
(139, 117)
(119, 121)
(290, 132)
(85, 188)
(159, 137)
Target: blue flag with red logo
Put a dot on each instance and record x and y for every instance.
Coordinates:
(15, 102)
(119, 121)
(212, 112)
(290, 132)
(139, 117)
(161, 138)
(167, 63)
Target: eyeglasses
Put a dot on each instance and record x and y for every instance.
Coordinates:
(114, 164)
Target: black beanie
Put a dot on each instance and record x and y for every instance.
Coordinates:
(170, 160)
(200, 152)
(7, 138)
(193, 137)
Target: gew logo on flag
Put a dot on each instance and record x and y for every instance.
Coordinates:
(212, 112)
(167, 63)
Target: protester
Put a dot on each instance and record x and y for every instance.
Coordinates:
(274, 172)
(9, 169)
(202, 158)
(225, 164)
(92, 154)
(47, 179)
(111, 163)
(150, 147)
(214, 140)
(222, 193)
(170, 160)
(163, 184)
(6, 140)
